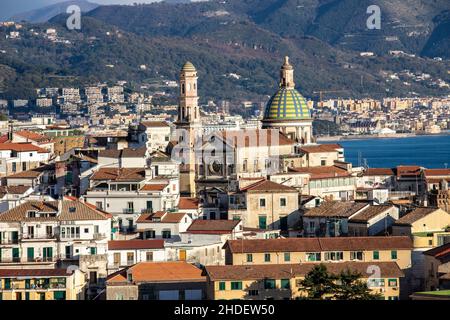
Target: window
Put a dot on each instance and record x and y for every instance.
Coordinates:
(249, 257)
(375, 283)
(283, 202)
(86, 230)
(166, 234)
(99, 205)
(269, 284)
(24, 166)
(394, 254)
(334, 256)
(221, 286)
(262, 203)
(130, 257)
(236, 285)
(313, 256)
(376, 255)
(253, 293)
(392, 282)
(93, 250)
(356, 255)
(267, 257)
(287, 256)
(285, 284)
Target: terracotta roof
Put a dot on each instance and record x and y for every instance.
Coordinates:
(319, 244)
(370, 212)
(34, 273)
(119, 174)
(255, 137)
(379, 172)
(287, 271)
(13, 190)
(323, 172)
(174, 271)
(212, 226)
(161, 216)
(336, 209)
(154, 187)
(269, 186)
(71, 211)
(441, 252)
(188, 203)
(408, 171)
(152, 124)
(135, 244)
(415, 215)
(321, 148)
(125, 153)
(34, 136)
(437, 172)
(21, 147)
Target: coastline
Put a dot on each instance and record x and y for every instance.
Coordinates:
(373, 136)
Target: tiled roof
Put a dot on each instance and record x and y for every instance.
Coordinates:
(119, 174)
(13, 190)
(135, 244)
(319, 244)
(437, 172)
(287, 271)
(165, 217)
(441, 252)
(21, 147)
(71, 211)
(323, 172)
(34, 273)
(212, 226)
(321, 148)
(267, 185)
(415, 215)
(370, 212)
(379, 172)
(255, 137)
(153, 124)
(408, 171)
(33, 136)
(336, 209)
(125, 153)
(176, 271)
(154, 187)
(188, 203)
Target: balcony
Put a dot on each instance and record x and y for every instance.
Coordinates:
(35, 237)
(128, 211)
(28, 260)
(9, 241)
(99, 236)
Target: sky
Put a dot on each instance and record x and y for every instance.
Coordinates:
(9, 8)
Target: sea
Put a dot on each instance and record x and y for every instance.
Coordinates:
(429, 151)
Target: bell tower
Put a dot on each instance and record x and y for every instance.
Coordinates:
(188, 128)
(287, 75)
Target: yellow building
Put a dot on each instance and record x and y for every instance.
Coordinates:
(41, 284)
(301, 250)
(265, 205)
(426, 226)
(282, 281)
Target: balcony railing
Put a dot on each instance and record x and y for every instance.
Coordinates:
(9, 241)
(128, 211)
(99, 236)
(28, 260)
(39, 237)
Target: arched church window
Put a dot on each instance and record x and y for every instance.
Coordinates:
(183, 89)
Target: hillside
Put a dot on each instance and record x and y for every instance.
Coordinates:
(246, 38)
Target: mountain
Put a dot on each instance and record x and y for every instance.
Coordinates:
(46, 13)
(247, 38)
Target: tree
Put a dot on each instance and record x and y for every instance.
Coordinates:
(318, 283)
(350, 287)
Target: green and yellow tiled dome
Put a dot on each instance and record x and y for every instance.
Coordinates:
(287, 104)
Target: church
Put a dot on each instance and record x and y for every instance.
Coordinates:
(215, 165)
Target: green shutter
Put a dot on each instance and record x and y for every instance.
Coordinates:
(59, 295)
(262, 222)
(287, 256)
(394, 254)
(221, 286)
(285, 284)
(376, 255)
(30, 254)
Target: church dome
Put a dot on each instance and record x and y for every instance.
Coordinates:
(188, 66)
(287, 104)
